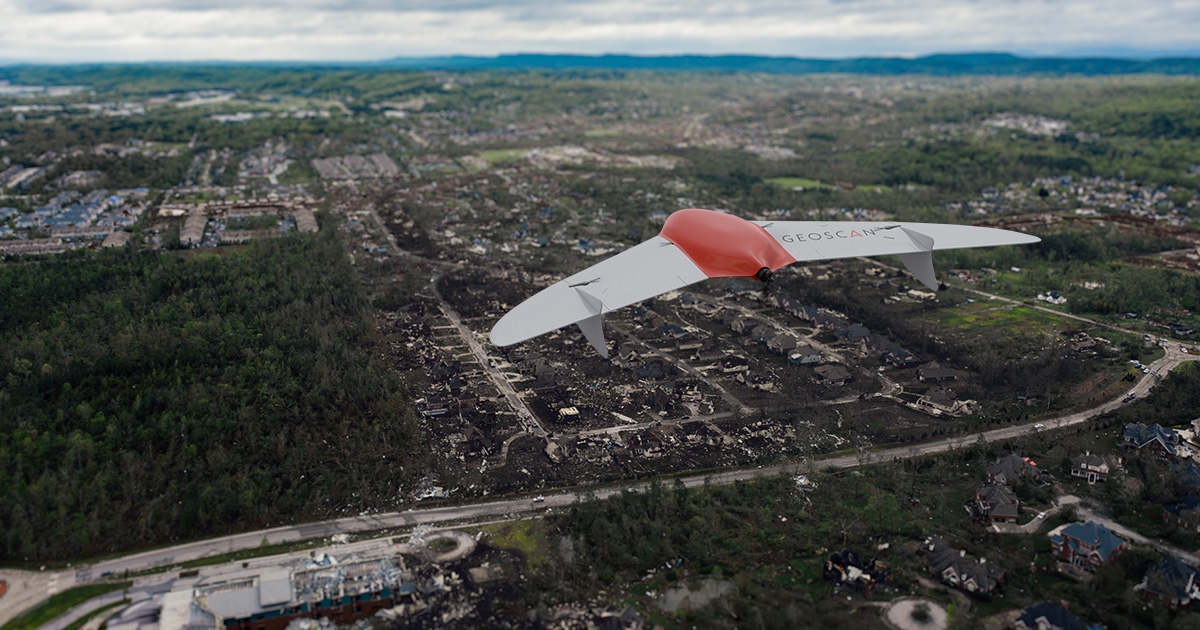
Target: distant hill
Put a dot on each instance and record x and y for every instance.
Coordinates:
(944, 64)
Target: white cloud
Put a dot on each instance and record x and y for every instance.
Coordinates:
(140, 30)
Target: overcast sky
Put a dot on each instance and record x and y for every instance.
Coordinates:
(338, 30)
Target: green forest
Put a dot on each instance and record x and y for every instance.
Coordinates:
(152, 397)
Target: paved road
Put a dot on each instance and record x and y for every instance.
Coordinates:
(502, 384)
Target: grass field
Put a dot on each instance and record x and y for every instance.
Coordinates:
(998, 315)
(799, 182)
(527, 537)
(500, 156)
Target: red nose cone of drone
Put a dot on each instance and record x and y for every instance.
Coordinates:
(723, 245)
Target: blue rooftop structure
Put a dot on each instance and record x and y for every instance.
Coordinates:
(1088, 544)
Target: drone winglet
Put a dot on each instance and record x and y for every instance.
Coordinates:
(920, 263)
(593, 327)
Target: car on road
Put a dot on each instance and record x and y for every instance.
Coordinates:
(539, 498)
(1039, 426)
(1041, 515)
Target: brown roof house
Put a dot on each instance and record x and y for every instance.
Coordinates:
(997, 503)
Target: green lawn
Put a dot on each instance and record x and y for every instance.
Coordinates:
(500, 156)
(798, 182)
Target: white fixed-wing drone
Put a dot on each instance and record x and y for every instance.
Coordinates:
(695, 245)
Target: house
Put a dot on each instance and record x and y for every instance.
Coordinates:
(733, 363)
(943, 400)
(1052, 297)
(933, 372)
(849, 569)
(854, 333)
(1048, 617)
(1185, 514)
(997, 503)
(687, 342)
(876, 344)
(901, 358)
(1008, 470)
(1189, 475)
(709, 351)
(762, 333)
(545, 383)
(651, 370)
(627, 356)
(444, 370)
(1151, 438)
(1172, 582)
(1093, 467)
(1088, 545)
(953, 567)
(805, 355)
(831, 375)
(782, 343)
(671, 331)
(829, 321)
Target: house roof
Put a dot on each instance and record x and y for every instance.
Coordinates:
(934, 370)
(1143, 434)
(1189, 502)
(1094, 534)
(832, 372)
(1009, 469)
(1172, 578)
(1057, 616)
(854, 331)
(996, 494)
(1095, 462)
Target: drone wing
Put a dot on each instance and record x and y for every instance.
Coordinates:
(914, 243)
(638, 273)
(698, 244)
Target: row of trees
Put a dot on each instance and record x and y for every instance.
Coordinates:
(150, 397)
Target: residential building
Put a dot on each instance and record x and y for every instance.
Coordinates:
(953, 567)
(849, 569)
(1185, 514)
(943, 400)
(1087, 545)
(831, 375)
(1093, 467)
(805, 355)
(1046, 616)
(997, 503)
(1172, 582)
(1151, 438)
(901, 358)
(1008, 470)
(933, 372)
(854, 333)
